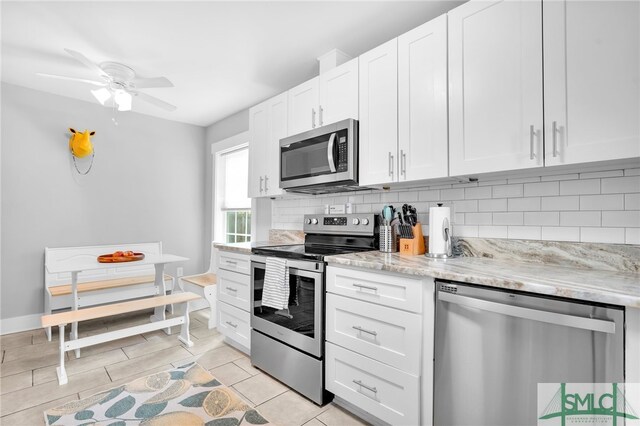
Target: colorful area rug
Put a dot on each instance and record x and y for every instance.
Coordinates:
(188, 395)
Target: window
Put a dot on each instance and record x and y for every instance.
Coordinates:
(233, 206)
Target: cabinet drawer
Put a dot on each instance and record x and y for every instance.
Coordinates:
(234, 262)
(396, 291)
(233, 288)
(384, 334)
(234, 323)
(389, 394)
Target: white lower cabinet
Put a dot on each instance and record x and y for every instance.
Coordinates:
(385, 392)
(234, 323)
(233, 287)
(379, 343)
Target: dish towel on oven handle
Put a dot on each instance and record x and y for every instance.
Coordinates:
(275, 293)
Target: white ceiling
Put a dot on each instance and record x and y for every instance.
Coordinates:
(222, 57)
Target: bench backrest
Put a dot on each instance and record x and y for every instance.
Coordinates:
(52, 255)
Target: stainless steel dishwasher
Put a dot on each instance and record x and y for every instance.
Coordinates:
(493, 347)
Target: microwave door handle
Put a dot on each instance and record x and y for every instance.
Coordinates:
(332, 163)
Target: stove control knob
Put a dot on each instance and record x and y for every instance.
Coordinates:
(314, 221)
(356, 221)
(308, 221)
(365, 221)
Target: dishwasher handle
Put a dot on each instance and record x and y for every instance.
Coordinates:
(530, 314)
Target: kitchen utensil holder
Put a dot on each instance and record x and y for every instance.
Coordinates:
(388, 239)
(415, 245)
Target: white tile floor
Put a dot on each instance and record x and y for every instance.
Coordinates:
(28, 383)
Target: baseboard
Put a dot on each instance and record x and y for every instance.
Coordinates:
(18, 324)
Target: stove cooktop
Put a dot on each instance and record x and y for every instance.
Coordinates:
(306, 251)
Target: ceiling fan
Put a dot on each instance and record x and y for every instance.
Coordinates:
(118, 82)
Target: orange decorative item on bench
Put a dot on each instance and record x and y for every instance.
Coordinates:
(120, 256)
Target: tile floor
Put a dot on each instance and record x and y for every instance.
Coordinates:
(28, 383)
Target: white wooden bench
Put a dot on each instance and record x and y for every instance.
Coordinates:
(63, 318)
(205, 286)
(100, 286)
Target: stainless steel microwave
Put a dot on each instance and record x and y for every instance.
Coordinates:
(321, 160)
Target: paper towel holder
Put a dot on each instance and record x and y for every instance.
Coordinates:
(446, 234)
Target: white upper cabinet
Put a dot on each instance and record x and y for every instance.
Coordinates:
(339, 93)
(592, 80)
(495, 86)
(378, 143)
(422, 102)
(259, 134)
(303, 107)
(268, 124)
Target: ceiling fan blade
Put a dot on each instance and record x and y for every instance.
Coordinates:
(81, 80)
(153, 100)
(147, 83)
(86, 62)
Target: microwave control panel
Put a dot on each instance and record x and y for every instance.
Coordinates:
(343, 154)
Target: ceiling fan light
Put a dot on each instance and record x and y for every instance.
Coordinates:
(102, 95)
(123, 100)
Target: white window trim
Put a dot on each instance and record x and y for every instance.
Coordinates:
(241, 140)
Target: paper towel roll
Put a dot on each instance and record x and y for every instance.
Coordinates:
(439, 218)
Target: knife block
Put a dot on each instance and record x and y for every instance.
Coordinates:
(414, 246)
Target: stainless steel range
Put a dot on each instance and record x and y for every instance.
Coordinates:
(289, 343)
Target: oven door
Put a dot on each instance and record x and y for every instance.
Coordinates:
(301, 326)
(323, 155)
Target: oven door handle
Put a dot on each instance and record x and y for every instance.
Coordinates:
(330, 145)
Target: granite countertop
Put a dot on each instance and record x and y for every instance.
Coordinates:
(244, 248)
(617, 288)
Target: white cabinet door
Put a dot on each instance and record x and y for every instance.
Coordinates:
(378, 143)
(259, 133)
(339, 93)
(422, 102)
(303, 107)
(592, 83)
(495, 86)
(277, 113)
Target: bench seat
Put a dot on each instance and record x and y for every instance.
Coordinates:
(205, 286)
(201, 280)
(65, 289)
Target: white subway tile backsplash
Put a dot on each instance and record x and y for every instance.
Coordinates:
(542, 218)
(571, 202)
(523, 204)
(477, 193)
(515, 218)
(602, 202)
(477, 219)
(524, 232)
(602, 235)
(492, 231)
(493, 205)
(560, 233)
(580, 218)
(504, 191)
(623, 219)
(452, 194)
(632, 201)
(541, 188)
(591, 206)
(578, 187)
(632, 236)
(621, 185)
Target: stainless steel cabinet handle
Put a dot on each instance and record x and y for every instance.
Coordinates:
(313, 118)
(330, 145)
(261, 184)
(554, 138)
(231, 262)
(532, 133)
(232, 289)
(232, 324)
(320, 114)
(531, 314)
(371, 388)
(403, 163)
(390, 164)
(364, 330)
(266, 179)
(361, 286)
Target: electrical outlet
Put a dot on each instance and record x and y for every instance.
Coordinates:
(179, 271)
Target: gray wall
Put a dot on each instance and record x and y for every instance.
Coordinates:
(147, 184)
